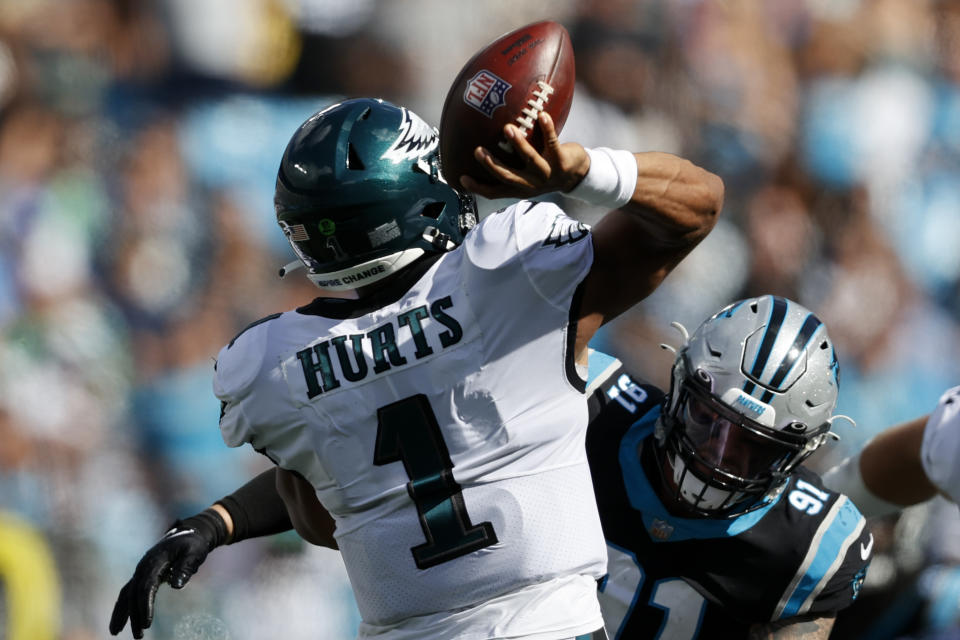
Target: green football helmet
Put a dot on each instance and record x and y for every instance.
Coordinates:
(360, 194)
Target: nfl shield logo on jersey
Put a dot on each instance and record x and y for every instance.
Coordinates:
(660, 529)
(857, 582)
(485, 92)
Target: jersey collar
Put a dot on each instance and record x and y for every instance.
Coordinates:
(341, 308)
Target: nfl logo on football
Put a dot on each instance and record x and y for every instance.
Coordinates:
(660, 529)
(485, 92)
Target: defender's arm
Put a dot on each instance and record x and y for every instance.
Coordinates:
(806, 627)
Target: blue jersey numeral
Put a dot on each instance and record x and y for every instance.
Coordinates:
(628, 393)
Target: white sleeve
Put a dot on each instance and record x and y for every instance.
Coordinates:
(238, 365)
(940, 452)
(554, 250)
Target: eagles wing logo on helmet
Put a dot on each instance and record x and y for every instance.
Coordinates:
(416, 139)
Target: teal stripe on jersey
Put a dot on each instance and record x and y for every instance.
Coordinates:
(839, 529)
(599, 367)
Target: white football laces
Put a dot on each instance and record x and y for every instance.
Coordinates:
(528, 115)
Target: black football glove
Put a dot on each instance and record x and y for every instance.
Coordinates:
(174, 559)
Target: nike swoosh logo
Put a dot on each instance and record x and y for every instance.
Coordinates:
(866, 549)
(174, 534)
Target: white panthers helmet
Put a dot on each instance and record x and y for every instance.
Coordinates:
(752, 395)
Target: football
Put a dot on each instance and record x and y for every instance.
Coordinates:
(511, 79)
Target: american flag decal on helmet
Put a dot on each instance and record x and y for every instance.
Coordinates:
(296, 232)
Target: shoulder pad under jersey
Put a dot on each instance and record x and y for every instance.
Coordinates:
(239, 362)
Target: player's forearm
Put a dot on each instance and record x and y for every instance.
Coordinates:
(887, 474)
(676, 201)
(309, 517)
(255, 509)
(672, 201)
(275, 501)
(221, 511)
(891, 466)
(801, 627)
(672, 206)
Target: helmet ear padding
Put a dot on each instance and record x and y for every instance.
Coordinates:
(360, 194)
(766, 369)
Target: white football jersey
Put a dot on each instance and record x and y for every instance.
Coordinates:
(940, 452)
(444, 432)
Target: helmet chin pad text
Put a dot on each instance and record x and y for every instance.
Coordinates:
(365, 273)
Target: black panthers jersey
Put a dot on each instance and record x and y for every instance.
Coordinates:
(806, 551)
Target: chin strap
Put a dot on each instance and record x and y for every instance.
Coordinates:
(439, 240)
(290, 266)
(468, 215)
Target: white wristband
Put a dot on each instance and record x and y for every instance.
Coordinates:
(611, 179)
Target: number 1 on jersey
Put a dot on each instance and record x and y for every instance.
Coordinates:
(407, 431)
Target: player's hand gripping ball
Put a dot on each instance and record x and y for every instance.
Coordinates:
(510, 80)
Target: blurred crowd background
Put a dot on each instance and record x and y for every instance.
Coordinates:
(139, 141)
